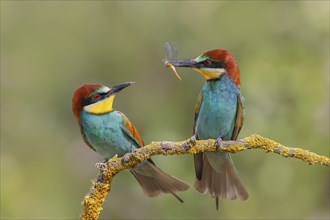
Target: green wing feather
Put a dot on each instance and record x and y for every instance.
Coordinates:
(198, 158)
(85, 139)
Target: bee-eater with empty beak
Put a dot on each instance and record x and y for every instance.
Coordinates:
(110, 132)
(219, 114)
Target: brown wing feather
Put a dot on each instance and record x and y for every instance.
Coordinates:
(130, 130)
(239, 118)
(134, 132)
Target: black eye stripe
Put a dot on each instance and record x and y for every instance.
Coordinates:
(87, 102)
(214, 64)
(91, 100)
(103, 93)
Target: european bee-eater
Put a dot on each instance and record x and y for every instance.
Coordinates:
(219, 114)
(110, 132)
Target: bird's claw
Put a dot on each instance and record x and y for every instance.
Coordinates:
(219, 144)
(125, 159)
(101, 166)
(190, 142)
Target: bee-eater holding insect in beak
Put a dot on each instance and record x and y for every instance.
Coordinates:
(110, 132)
(219, 114)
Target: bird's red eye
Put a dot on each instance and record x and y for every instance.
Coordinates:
(207, 62)
(96, 96)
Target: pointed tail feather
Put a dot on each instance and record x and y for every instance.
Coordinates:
(223, 184)
(155, 182)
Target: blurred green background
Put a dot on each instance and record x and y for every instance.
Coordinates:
(50, 48)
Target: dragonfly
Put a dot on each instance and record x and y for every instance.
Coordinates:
(171, 53)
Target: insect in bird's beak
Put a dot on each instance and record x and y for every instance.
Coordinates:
(171, 53)
(169, 65)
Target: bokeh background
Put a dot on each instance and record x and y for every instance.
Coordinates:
(49, 48)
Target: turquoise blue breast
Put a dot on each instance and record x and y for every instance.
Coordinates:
(217, 113)
(105, 133)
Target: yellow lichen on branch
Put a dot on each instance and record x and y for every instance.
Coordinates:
(101, 187)
(94, 199)
(259, 142)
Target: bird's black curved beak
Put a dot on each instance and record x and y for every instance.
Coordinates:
(115, 89)
(180, 63)
(183, 63)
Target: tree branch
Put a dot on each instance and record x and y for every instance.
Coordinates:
(101, 187)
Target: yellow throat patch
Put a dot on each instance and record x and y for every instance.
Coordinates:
(210, 73)
(100, 107)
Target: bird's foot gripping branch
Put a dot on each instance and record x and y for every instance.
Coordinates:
(92, 204)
